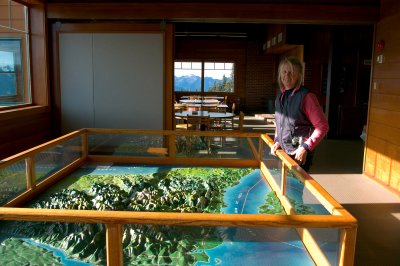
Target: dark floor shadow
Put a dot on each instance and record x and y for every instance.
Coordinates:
(334, 156)
(378, 234)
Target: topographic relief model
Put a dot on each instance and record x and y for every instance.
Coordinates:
(158, 189)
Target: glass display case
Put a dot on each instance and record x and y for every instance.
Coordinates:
(131, 197)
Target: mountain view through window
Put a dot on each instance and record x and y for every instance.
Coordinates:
(204, 77)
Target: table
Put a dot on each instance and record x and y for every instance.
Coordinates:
(204, 97)
(217, 116)
(197, 101)
(194, 105)
(213, 115)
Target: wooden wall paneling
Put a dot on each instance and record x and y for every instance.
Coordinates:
(189, 48)
(24, 131)
(55, 77)
(388, 69)
(384, 132)
(39, 60)
(370, 161)
(374, 147)
(394, 152)
(383, 166)
(14, 130)
(386, 102)
(259, 87)
(385, 117)
(385, 86)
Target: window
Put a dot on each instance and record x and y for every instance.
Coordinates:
(204, 77)
(14, 66)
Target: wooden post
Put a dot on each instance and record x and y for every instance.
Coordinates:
(114, 244)
(260, 148)
(347, 246)
(253, 149)
(85, 145)
(283, 179)
(312, 247)
(30, 172)
(172, 146)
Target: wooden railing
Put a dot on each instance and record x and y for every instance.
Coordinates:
(348, 233)
(114, 220)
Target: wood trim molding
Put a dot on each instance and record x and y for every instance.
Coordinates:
(168, 77)
(216, 12)
(39, 62)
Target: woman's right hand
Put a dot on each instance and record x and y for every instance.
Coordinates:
(274, 148)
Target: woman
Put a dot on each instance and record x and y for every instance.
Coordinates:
(300, 122)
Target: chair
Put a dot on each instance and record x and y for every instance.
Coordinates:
(218, 123)
(198, 122)
(183, 126)
(211, 109)
(240, 123)
(233, 108)
(233, 112)
(180, 123)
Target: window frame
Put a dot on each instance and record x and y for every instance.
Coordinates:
(202, 85)
(19, 15)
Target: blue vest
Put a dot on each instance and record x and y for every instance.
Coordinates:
(292, 125)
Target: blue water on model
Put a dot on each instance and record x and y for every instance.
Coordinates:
(255, 246)
(241, 246)
(58, 253)
(65, 260)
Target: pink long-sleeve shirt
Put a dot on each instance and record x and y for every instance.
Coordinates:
(314, 113)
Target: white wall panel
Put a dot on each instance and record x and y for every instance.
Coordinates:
(76, 81)
(128, 80)
(111, 80)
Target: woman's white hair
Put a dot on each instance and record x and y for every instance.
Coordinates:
(295, 64)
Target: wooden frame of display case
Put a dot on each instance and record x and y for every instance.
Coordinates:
(114, 220)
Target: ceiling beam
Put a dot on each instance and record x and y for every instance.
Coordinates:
(217, 12)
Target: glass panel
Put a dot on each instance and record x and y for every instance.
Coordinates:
(11, 72)
(52, 243)
(190, 245)
(273, 163)
(187, 76)
(218, 77)
(8, 84)
(14, 61)
(213, 147)
(328, 239)
(303, 201)
(12, 181)
(56, 158)
(128, 145)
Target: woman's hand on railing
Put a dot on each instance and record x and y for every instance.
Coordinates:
(274, 148)
(300, 155)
